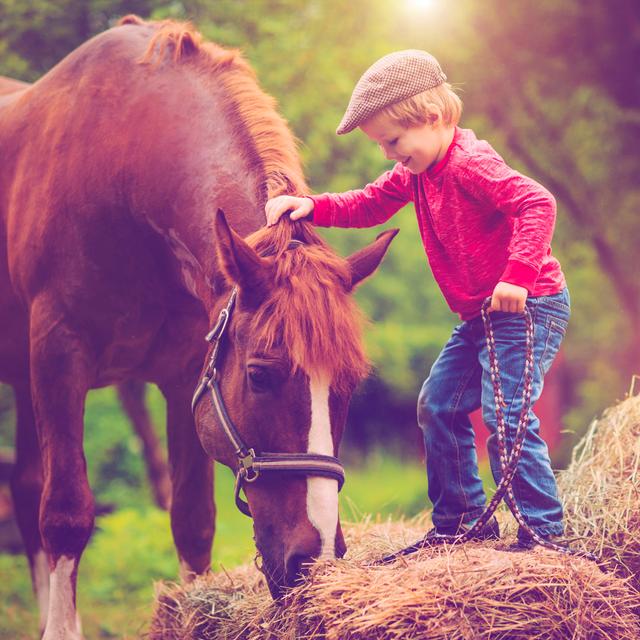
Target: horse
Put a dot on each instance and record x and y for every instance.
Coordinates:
(131, 393)
(132, 193)
(11, 85)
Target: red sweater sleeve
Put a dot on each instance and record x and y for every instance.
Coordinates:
(493, 182)
(367, 207)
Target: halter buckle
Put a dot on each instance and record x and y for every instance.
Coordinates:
(220, 327)
(249, 474)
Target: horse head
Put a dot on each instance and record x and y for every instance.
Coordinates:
(285, 357)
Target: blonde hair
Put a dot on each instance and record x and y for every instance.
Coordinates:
(415, 111)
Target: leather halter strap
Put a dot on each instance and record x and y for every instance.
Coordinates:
(251, 464)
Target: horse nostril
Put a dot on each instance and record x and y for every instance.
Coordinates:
(297, 566)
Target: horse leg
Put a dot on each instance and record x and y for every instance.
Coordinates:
(131, 394)
(192, 507)
(60, 371)
(26, 489)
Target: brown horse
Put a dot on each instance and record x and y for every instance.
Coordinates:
(10, 85)
(112, 166)
(130, 392)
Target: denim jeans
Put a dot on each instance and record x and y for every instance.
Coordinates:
(459, 383)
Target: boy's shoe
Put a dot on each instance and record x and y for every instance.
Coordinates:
(525, 542)
(490, 531)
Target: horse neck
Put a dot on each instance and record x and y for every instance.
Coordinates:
(212, 165)
(188, 231)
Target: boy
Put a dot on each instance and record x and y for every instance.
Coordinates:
(486, 230)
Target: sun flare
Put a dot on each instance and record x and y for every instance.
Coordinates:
(420, 5)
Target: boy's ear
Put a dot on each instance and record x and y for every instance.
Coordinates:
(364, 262)
(433, 117)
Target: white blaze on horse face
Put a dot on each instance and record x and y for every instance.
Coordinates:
(62, 621)
(322, 493)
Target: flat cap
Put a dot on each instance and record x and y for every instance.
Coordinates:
(395, 77)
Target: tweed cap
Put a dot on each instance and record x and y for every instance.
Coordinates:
(395, 77)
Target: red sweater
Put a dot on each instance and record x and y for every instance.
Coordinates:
(481, 222)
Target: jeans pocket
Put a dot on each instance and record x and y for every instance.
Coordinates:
(555, 328)
(556, 305)
(559, 325)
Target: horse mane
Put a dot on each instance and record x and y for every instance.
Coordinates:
(272, 145)
(310, 309)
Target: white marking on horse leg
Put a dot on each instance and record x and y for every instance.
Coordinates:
(40, 576)
(322, 493)
(78, 624)
(62, 622)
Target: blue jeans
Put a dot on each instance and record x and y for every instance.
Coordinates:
(459, 383)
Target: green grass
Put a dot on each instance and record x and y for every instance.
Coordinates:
(132, 547)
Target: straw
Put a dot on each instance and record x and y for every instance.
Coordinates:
(470, 592)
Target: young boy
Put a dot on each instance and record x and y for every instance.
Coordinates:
(486, 230)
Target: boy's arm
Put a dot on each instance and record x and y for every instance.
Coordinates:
(367, 207)
(494, 182)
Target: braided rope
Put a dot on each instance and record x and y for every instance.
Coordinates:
(508, 461)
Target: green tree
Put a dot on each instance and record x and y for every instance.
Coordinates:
(36, 34)
(551, 84)
(570, 115)
(554, 87)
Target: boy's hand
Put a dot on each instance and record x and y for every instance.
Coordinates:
(508, 297)
(299, 207)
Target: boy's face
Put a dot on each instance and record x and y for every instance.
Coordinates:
(417, 148)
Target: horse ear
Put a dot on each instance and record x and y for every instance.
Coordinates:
(242, 264)
(364, 262)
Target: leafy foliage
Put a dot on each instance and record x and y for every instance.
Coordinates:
(551, 84)
(554, 87)
(132, 547)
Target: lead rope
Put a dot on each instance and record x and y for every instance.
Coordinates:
(508, 464)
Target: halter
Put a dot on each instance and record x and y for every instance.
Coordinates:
(251, 464)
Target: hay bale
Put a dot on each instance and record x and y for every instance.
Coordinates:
(601, 489)
(479, 592)
(474, 591)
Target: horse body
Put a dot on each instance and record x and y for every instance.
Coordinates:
(113, 163)
(103, 295)
(129, 191)
(14, 361)
(14, 354)
(10, 85)
(14, 347)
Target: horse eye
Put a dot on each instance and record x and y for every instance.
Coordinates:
(259, 377)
